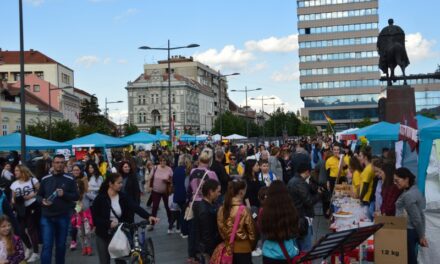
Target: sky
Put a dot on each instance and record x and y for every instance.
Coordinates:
(99, 40)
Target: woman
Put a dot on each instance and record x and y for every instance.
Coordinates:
(334, 167)
(355, 168)
(24, 192)
(411, 204)
(279, 221)
(130, 184)
(162, 176)
(94, 180)
(390, 192)
(180, 174)
(112, 207)
(6, 179)
(251, 170)
(245, 237)
(367, 179)
(11, 248)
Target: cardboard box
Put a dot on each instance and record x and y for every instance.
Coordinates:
(390, 241)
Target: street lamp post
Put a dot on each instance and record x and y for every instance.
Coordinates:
(49, 90)
(246, 90)
(169, 76)
(273, 115)
(106, 108)
(22, 84)
(262, 108)
(220, 76)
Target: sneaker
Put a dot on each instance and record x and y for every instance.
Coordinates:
(257, 252)
(27, 253)
(177, 231)
(183, 236)
(170, 231)
(34, 257)
(89, 251)
(150, 227)
(73, 245)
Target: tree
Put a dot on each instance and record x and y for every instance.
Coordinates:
(39, 129)
(280, 121)
(365, 122)
(231, 124)
(91, 120)
(153, 130)
(438, 69)
(62, 130)
(306, 128)
(130, 129)
(428, 114)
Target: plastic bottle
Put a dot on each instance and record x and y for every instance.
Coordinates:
(52, 196)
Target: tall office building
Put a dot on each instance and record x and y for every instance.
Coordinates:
(338, 60)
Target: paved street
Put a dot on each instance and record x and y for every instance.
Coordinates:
(171, 249)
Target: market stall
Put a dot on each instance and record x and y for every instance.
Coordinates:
(140, 137)
(13, 142)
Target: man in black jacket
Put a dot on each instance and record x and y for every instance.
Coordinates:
(219, 168)
(57, 194)
(207, 237)
(304, 198)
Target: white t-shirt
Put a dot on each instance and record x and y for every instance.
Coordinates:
(116, 207)
(3, 253)
(21, 188)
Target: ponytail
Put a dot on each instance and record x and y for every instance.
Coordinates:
(234, 187)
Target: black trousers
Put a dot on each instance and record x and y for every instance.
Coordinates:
(242, 258)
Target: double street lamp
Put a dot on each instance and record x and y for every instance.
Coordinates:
(273, 116)
(246, 90)
(262, 107)
(220, 76)
(107, 103)
(169, 48)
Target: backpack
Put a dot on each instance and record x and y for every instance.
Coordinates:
(196, 175)
(261, 180)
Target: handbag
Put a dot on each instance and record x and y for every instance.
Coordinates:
(119, 245)
(295, 259)
(152, 177)
(221, 255)
(189, 213)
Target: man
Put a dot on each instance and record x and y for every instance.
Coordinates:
(304, 199)
(300, 156)
(205, 217)
(219, 169)
(57, 194)
(275, 164)
(233, 169)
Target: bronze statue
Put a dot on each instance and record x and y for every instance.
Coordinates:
(392, 52)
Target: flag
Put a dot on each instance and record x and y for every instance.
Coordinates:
(329, 120)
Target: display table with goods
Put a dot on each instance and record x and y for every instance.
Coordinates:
(349, 214)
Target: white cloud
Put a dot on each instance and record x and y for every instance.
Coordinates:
(87, 60)
(127, 13)
(268, 103)
(35, 2)
(419, 48)
(274, 44)
(229, 57)
(122, 61)
(119, 116)
(107, 60)
(288, 74)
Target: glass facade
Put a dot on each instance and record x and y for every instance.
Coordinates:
(341, 100)
(308, 3)
(337, 42)
(340, 70)
(427, 100)
(347, 114)
(339, 84)
(413, 82)
(339, 14)
(338, 28)
(339, 56)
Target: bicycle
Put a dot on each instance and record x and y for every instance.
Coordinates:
(142, 249)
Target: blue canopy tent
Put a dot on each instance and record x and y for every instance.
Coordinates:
(141, 137)
(380, 135)
(161, 137)
(423, 121)
(426, 137)
(192, 138)
(13, 142)
(97, 140)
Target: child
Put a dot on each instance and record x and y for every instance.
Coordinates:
(11, 247)
(175, 215)
(266, 176)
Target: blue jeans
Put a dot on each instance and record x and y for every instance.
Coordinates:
(54, 227)
(306, 242)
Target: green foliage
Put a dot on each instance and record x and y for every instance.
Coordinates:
(280, 121)
(429, 114)
(130, 129)
(306, 128)
(62, 130)
(231, 125)
(91, 120)
(153, 130)
(365, 122)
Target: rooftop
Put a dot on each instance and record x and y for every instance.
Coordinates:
(30, 57)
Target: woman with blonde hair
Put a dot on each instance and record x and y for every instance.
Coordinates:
(24, 191)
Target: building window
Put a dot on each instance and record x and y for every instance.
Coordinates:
(36, 88)
(65, 78)
(27, 87)
(142, 100)
(3, 76)
(152, 98)
(4, 129)
(157, 98)
(40, 75)
(16, 76)
(18, 127)
(173, 98)
(174, 117)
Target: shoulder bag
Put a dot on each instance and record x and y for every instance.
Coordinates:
(221, 254)
(189, 213)
(295, 259)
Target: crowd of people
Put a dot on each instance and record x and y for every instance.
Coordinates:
(242, 200)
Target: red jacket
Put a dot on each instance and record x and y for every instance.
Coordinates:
(389, 196)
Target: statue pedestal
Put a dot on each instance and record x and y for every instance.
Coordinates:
(400, 103)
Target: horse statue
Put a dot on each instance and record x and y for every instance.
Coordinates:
(392, 52)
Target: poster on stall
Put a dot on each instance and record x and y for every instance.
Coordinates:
(108, 153)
